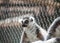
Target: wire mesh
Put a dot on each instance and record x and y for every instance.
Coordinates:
(44, 11)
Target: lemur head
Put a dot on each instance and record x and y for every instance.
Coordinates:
(27, 21)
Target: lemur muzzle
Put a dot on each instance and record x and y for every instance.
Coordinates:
(25, 23)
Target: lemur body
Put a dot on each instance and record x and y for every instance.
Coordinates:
(31, 34)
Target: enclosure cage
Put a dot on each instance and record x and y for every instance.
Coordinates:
(44, 11)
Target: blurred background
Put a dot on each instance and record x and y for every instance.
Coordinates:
(44, 11)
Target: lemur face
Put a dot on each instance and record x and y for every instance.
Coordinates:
(27, 21)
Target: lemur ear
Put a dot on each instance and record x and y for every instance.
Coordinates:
(31, 18)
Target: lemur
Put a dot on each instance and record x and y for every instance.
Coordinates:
(40, 31)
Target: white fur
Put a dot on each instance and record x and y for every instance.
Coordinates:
(52, 40)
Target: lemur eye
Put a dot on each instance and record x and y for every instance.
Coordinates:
(26, 22)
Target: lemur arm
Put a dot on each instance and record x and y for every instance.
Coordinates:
(52, 29)
(41, 30)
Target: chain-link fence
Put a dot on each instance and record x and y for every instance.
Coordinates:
(44, 11)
